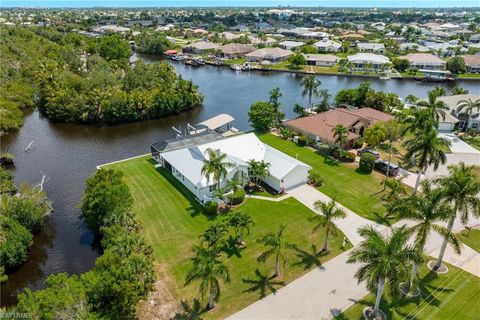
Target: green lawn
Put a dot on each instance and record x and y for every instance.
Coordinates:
(172, 222)
(286, 66)
(449, 296)
(473, 141)
(470, 238)
(359, 192)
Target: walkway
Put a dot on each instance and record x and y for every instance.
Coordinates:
(277, 199)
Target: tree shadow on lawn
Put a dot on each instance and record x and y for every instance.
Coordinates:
(231, 248)
(263, 284)
(195, 207)
(310, 258)
(190, 312)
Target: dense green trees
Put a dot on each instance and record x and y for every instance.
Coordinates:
(122, 275)
(365, 96)
(456, 65)
(152, 43)
(111, 47)
(261, 115)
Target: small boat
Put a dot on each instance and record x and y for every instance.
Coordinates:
(236, 67)
(199, 61)
(191, 62)
(384, 78)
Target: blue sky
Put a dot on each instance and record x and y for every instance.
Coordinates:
(237, 3)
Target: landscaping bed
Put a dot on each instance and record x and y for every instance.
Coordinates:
(173, 220)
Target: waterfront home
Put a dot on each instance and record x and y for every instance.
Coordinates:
(452, 102)
(319, 126)
(368, 61)
(472, 63)
(412, 46)
(289, 45)
(327, 45)
(235, 50)
(323, 60)
(371, 47)
(426, 61)
(269, 54)
(185, 157)
(201, 47)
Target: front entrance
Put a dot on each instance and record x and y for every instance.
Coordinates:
(167, 166)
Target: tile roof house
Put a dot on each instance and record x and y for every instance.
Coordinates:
(319, 126)
(289, 45)
(201, 47)
(327, 45)
(371, 47)
(324, 60)
(235, 50)
(362, 60)
(269, 54)
(472, 62)
(426, 61)
(452, 103)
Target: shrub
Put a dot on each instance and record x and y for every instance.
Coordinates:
(367, 163)
(323, 149)
(302, 141)
(211, 207)
(347, 156)
(357, 144)
(314, 179)
(238, 197)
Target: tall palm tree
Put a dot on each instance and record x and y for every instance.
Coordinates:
(310, 88)
(428, 149)
(375, 134)
(277, 247)
(258, 170)
(214, 235)
(425, 210)
(392, 134)
(459, 90)
(215, 165)
(461, 189)
(436, 108)
(240, 222)
(469, 106)
(396, 189)
(209, 269)
(275, 96)
(384, 260)
(328, 213)
(234, 184)
(340, 133)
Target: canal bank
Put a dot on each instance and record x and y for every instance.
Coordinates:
(69, 154)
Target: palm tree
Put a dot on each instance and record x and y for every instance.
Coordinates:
(234, 185)
(340, 133)
(275, 95)
(214, 235)
(277, 247)
(461, 189)
(392, 134)
(258, 170)
(469, 106)
(329, 212)
(240, 222)
(425, 210)
(396, 189)
(411, 99)
(310, 88)
(436, 108)
(384, 260)
(215, 165)
(209, 269)
(375, 135)
(428, 149)
(457, 90)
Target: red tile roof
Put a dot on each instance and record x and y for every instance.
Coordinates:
(321, 124)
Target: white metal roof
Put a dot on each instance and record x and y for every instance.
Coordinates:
(239, 149)
(217, 121)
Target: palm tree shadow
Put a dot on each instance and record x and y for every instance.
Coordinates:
(190, 312)
(309, 259)
(263, 284)
(231, 248)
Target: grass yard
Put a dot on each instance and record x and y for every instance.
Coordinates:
(473, 141)
(172, 222)
(359, 192)
(471, 239)
(449, 296)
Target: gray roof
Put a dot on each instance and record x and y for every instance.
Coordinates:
(186, 141)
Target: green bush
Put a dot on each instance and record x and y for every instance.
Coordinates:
(238, 197)
(211, 207)
(357, 144)
(302, 141)
(315, 179)
(347, 156)
(323, 149)
(367, 162)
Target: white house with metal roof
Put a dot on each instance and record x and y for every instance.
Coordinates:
(185, 160)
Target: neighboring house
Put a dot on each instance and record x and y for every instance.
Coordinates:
(269, 54)
(327, 45)
(268, 41)
(323, 60)
(413, 46)
(475, 38)
(371, 47)
(319, 126)
(229, 35)
(426, 61)
(472, 62)
(201, 47)
(185, 162)
(110, 28)
(289, 45)
(368, 61)
(452, 103)
(352, 37)
(235, 50)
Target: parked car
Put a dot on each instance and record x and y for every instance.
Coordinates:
(382, 165)
(370, 150)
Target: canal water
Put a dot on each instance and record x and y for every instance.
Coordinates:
(69, 153)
